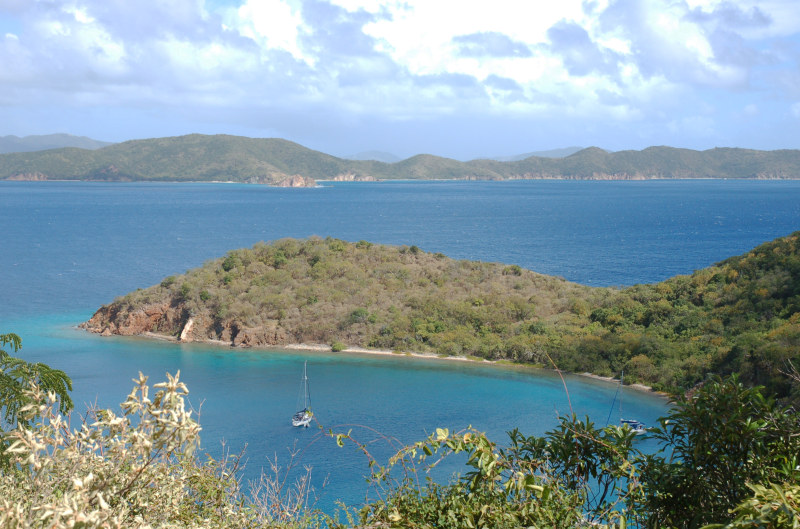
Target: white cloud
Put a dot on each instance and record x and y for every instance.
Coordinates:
(273, 24)
(371, 6)
(419, 34)
(784, 16)
(263, 61)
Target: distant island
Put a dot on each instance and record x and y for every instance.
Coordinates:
(280, 162)
(45, 142)
(739, 316)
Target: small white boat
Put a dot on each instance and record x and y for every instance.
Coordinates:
(633, 424)
(304, 416)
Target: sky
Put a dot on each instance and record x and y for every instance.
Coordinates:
(457, 78)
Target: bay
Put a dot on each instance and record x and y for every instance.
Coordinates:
(69, 247)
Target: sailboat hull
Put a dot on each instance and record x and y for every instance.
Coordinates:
(302, 418)
(633, 424)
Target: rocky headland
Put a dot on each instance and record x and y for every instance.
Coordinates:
(737, 316)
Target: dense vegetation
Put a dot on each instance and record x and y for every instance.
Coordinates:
(194, 157)
(739, 316)
(16, 377)
(230, 158)
(728, 456)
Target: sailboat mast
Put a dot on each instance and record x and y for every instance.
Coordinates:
(306, 393)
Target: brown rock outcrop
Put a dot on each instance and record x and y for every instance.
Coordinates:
(296, 181)
(270, 334)
(171, 321)
(159, 318)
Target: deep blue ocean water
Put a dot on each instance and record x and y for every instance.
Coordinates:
(69, 247)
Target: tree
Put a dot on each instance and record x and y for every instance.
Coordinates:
(16, 378)
(717, 445)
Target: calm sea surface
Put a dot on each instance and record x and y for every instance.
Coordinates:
(69, 247)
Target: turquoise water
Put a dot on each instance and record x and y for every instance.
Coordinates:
(70, 247)
(246, 397)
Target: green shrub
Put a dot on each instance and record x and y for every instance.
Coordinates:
(134, 469)
(359, 315)
(230, 262)
(714, 444)
(772, 506)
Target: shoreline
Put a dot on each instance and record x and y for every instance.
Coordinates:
(323, 348)
(411, 180)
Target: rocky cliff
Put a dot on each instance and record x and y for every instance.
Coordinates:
(175, 323)
(296, 181)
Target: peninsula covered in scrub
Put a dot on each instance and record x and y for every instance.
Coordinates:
(279, 162)
(741, 315)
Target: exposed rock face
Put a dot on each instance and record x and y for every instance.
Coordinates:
(352, 177)
(171, 321)
(28, 177)
(270, 334)
(186, 333)
(110, 170)
(159, 318)
(296, 181)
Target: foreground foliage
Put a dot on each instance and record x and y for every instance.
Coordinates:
(715, 445)
(135, 469)
(16, 376)
(729, 458)
(739, 316)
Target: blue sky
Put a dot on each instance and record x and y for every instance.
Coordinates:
(460, 78)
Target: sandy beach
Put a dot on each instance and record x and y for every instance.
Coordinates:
(323, 348)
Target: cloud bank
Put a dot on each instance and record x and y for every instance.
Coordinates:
(458, 78)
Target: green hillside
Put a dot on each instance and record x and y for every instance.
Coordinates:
(184, 158)
(232, 158)
(740, 316)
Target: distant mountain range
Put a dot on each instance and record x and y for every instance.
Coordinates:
(49, 141)
(280, 162)
(552, 153)
(387, 157)
(377, 156)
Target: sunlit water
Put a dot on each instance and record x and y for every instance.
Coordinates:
(70, 247)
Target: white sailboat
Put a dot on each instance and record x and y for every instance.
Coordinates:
(304, 416)
(633, 424)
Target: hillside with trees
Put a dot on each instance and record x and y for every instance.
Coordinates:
(274, 161)
(739, 316)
